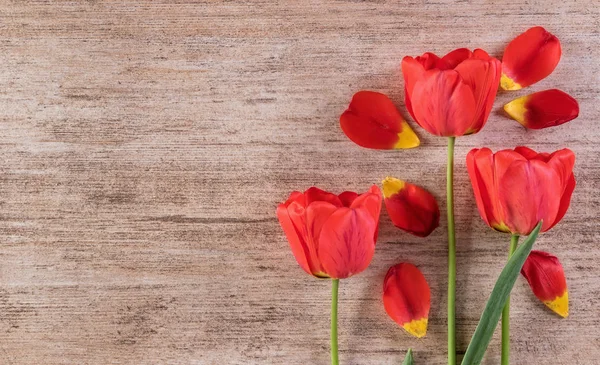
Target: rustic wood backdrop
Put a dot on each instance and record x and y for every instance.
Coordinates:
(145, 145)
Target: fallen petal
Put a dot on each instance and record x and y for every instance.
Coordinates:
(406, 298)
(529, 58)
(543, 109)
(372, 121)
(410, 207)
(546, 277)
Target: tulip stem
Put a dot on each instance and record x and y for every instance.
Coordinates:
(505, 359)
(451, 254)
(334, 304)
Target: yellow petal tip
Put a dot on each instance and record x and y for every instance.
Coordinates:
(392, 186)
(417, 327)
(560, 305)
(407, 138)
(516, 109)
(508, 84)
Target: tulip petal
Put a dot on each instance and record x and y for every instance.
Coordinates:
(454, 58)
(446, 106)
(529, 191)
(546, 277)
(346, 242)
(407, 298)
(295, 239)
(313, 194)
(372, 121)
(411, 207)
(299, 218)
(543, 109)
(483, 78)
(529, 58)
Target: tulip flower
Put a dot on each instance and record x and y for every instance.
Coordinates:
(406, 298)
(453, 95)
(332, 236)
(543, 109)
(410, 207)
(529, 58)
(514, 190)
(546, 277)
(372, 121)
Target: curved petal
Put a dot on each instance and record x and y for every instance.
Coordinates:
(483, 77)
(454, 58)
(563, 162)
(443, 103)
(529, 191)
(295, 240)
(529, 58)
(314, 194)
(411, 207)
(543, 109)
(372, 121)
(413, 71)
(347, 197)
(371, 201)
(546, 277)
(346, 244)
(298, 217)
(407, 298)
(481, 173)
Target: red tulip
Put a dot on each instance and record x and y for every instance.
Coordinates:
(372, 121)
(543, 109)
(406, 298)
(546, 277)
(516, 189)
(331, 235)
(452, 95)
(529, 58)
(411, 207)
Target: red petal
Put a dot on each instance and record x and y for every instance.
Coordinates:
(406, 298)
(543, 109)
(347, 197)
(454, 58)
(372, 121)
(411, 207)
(563, 161)
(298, 216)
(529, 58)
(546, 277)
(315, 194)
(529, 191)
(296, 241)
(443, 103)
(483, 77)
(346, 243)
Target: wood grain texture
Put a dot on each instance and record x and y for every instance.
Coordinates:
(145, 146)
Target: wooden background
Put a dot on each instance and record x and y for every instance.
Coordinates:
(145, 145)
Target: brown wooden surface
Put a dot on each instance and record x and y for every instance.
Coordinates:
(145, 146)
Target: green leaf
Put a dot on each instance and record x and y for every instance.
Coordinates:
(408, 360)
(493, 309)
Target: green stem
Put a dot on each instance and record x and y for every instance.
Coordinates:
(505, 359)
(334, 304)
(451, 255)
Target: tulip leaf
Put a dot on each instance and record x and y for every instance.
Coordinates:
(493, 309)
(408, 360)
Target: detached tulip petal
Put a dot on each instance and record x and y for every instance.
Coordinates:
(411, 207)
(543, 109)
(546, 277)
(406, 298)
(372, 121)
(529, 58)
